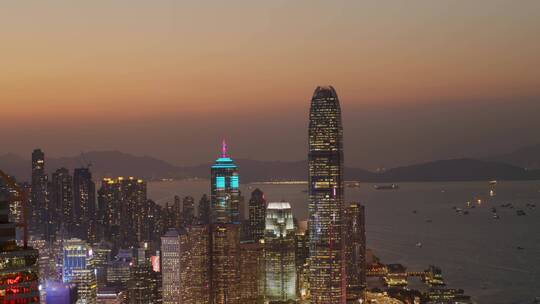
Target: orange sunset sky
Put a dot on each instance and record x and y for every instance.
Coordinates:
(437, 79)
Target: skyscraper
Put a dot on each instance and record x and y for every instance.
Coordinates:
(188, 211)
(225, 231)
(204, 210)
(19, 278)
(84, 204)
(61, 200)
(39, 219)
(257, 215)
(123, 211)
(355, 250)
(174, 254)
(225, 191)
(225, 264)
(177, 213)
(142, 287)
(279, 253)
(325, 158)
(78, 269)
(199, 274)
(252, 272)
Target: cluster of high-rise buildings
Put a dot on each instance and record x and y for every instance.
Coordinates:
(270, 256)
(115, 245)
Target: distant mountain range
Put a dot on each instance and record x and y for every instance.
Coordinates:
(527, 157)
(113, 163)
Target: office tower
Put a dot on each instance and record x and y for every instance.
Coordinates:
(225, 189)
(101, 259)
(279, 253)
(257, 215)
(199, 276)
(168, 212)
(241, 208)
(251, 272)
(302, 244)
(49, 265)
(78, 269)
(177, 213)
(119, 269)
(16, 203)
(325, 158)
(123, 210)
(188, 211)
(61, 201)
(225, 231)
(154, 225)
(225, 264)
(174, 258)
(39, 218)
(142, 287)
(204, 210)
(19, 273)
(84, 205)
(355, 250)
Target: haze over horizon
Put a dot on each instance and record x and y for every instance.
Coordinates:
(437, 80)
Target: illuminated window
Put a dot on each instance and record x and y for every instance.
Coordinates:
(220, 182)
(234, 182)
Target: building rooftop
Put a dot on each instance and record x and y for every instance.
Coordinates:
(279, 205)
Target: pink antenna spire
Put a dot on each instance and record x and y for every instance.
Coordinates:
(223, 148)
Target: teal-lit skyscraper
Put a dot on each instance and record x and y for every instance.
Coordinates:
(224, 231)
(225, 189)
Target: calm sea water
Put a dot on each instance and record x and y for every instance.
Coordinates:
(476, 252)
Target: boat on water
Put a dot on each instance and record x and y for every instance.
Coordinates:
(419, 245)
(386, 187)
(495, 216)
(493, 182)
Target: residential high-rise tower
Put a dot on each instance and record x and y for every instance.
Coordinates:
(61, 201)
(39, 220)
(84, 204)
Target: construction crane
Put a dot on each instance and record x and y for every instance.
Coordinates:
(21, 196)
(86, 162)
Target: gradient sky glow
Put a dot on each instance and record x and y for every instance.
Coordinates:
(435, 78)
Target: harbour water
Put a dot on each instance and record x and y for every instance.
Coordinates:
(493, 260)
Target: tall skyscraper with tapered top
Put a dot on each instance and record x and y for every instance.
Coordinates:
(325, 158)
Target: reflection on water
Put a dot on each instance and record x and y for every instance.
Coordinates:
(496, 260)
